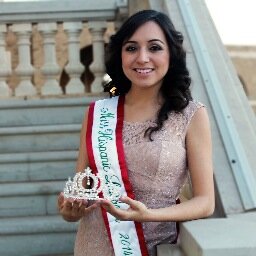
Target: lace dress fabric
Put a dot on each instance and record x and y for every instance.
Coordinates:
(157, 171)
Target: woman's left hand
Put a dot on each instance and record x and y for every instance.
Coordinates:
(137, 211)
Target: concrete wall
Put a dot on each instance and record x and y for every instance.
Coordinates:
(244, 60)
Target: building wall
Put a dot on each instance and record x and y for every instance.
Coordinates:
(244, 60)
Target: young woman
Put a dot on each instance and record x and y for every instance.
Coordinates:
(165, 136)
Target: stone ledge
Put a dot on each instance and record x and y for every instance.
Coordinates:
(248, 216)
(64, 10)
(169, 250)
(20, 103)
(222, 237)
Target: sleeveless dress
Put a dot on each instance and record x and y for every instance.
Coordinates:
(157, 171)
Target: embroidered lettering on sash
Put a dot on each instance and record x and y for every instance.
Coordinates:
(105, 151)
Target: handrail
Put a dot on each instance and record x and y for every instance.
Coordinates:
(68, 10)
(239, 162)
(55, 48)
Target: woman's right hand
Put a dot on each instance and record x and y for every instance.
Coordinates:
(73, 210)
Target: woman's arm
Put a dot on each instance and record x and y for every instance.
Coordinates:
(82, 160)
(199, 156)
(73, 210)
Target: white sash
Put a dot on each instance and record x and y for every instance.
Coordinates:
(106, 156)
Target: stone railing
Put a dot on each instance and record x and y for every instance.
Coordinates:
(55, 47)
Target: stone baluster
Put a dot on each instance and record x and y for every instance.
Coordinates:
(24, 69)
(74, 67)
(97, 29)
(50, 69)
(5, 65)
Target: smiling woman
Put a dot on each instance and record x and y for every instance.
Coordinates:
(159, 136)
(145, 57)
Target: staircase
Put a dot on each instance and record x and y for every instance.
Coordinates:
(39, 141)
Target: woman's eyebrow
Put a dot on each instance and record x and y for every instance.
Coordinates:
(149, 41)
(129, 42)
(158, 40)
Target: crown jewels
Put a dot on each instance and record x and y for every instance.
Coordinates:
(86, 185)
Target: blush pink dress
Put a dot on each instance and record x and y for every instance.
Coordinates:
(157, 171)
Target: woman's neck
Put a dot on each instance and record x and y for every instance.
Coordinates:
(136, 97)
(141, 105)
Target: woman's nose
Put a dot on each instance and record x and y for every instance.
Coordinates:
(143, 56)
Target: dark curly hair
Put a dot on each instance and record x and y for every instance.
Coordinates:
(175, 87)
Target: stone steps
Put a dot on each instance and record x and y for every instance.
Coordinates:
(29, 198)
(39, 138)
(35, 112)
(37, 166)
(38, 235)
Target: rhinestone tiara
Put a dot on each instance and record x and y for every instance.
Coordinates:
(87, 186)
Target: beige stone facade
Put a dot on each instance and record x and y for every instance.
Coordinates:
(244, 60)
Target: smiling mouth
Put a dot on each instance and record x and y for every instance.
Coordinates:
(143, 70)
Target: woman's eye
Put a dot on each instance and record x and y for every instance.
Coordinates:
(155, 48)
(130, 48)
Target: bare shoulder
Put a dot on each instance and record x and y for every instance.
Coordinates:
(199, 126)
(200, 115)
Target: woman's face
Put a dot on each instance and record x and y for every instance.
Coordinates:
(146, 56)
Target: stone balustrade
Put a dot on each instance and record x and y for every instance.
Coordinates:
(53, 49)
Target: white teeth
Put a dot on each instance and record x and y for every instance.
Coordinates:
(143, 71)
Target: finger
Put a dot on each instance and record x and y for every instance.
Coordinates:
(127, 200)
(107, 205)
(77, 211)
(132, 204)
(104, 202)
(60, 199)
(75, 206)
(67, 204)
(85, 202)
(66, 208)
(116, 212)
(135, 205)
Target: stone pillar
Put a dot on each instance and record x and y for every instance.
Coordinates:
(74, 67)
(24, 69)
(97, 29)
(5, 65)
(50, 69)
